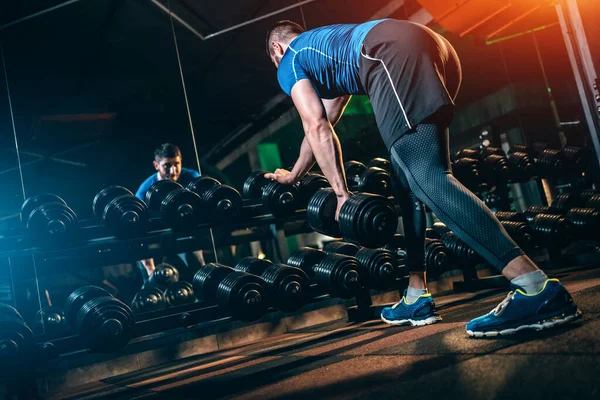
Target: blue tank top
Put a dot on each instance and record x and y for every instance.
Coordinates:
(328, 56)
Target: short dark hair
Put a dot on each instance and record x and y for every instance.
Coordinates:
(281, 32)
(166, 150)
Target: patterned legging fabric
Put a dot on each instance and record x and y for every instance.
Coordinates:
(421, 168)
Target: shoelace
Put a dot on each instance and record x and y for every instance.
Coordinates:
(500, 307)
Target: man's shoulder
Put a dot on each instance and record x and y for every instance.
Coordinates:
(141, 192)
(189, 172)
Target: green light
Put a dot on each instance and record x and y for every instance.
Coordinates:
(549, 90)
(359, 105)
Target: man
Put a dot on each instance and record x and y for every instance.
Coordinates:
(412, 76)
(167, 162)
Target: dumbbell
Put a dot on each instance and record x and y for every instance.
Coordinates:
(492, 160)
(551, 163)
(338, 247)
(496, 169)
(521, 233)
(532, 211)
(51, 320)
(579, 159)
(163, 275)
(436, 258)
(103, 322)
(243, 296)
(585, 221)
(353, 170)
(281, 200)
(510, 216)
(521, 148)
(381, 163)
(179, 293)
(223, 202)
(469, 172)
(380, 264)
(468, 153)
(593, 200)
(554, 231)
(565, 201)
(458, 249)
(372, 180)
(16, 338)
(365, 219)
(491, 150)
(522, 167)
(309, 185)
(124, 215)
(180, 208)
(150, 298)
(342, 276)
(49, 220)
(288, 286)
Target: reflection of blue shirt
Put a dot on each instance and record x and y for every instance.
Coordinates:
(186, 176)
(328, 56)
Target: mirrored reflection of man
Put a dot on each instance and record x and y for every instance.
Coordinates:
(168, 165)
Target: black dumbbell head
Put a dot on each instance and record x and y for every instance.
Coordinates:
(380, 265)
(78, 298)
(368, 220)
(469, 172)
(34, 202)
(163, 275)
(522, 167)
(179, 293)
(353, 170)
(309, 185)
(254, 184)
(338, 247)
(320, 213)
(436, 257)
(207, 279)
(306, 258)
(253, 265)
(105, 196)
(381, 163)
(50, 320)
(16, 339)
(243, 296)
(127, 217)
(281, 200)
(105, 324)
(468, 153)
(222, 203)
(343, 276)
(555, 231)
(288, 286)
(376, 181)
(201, 184)
(150, 298)
(182, 209)
(521, 233)
(158, 191)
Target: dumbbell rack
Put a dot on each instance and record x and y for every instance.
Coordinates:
(97, 248)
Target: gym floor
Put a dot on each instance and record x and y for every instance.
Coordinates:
(375, 361)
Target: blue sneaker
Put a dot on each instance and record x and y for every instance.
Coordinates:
(519, 311)
(420, 312)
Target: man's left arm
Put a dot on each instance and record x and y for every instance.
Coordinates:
(321, 137)
(335, 108)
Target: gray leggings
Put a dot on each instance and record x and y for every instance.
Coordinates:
(421, 167)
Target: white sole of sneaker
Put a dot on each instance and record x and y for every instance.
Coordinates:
(413, 322)
(538, 327)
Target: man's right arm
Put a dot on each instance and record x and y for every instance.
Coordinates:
(334, 109)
